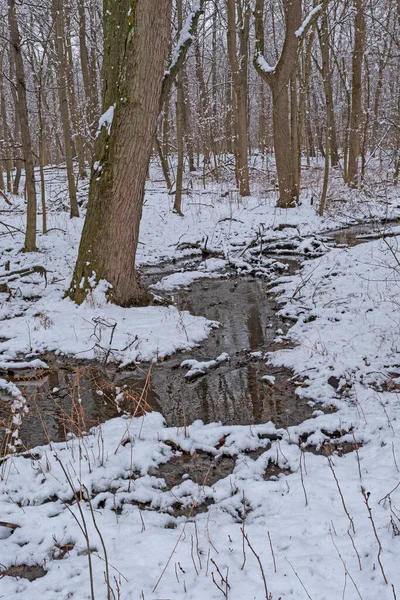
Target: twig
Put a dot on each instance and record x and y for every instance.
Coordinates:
(345, 568)
(259, 563)
(340, 492)
(302, 584)
(366, 496)
(272, 551)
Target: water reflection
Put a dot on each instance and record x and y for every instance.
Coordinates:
(75, 398)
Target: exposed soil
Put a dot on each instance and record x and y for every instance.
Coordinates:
(29, 572)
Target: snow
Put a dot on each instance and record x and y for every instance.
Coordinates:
(197, 368)
(185, 35)
(263, 65)
(315, 522)
(299, 32)
(106, 120)
(270, 378)
(98, 329)
(210, 270)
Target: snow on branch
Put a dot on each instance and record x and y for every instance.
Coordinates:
(106, 120)
(263, 65)
(299, 32)
(186, 37)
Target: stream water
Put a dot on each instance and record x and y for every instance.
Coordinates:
(74, 396)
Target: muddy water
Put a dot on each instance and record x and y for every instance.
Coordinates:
(233, 393)
(60, 401)
(75, 396)
(359, 234)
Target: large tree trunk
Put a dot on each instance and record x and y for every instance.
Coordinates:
(356, 95)
(283, 147)
(22, 109)
(136, 40)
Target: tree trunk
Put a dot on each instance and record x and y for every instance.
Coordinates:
(278, 78)
(294, 136)
(179, 127)
(283, 147)
(89, 82)
(239, 83)
(132, 94)
(356, 95)
(57, 6)
(323, 35)
(5, 132)
(76, 124)
(22, 109)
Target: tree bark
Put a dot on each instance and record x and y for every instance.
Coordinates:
(323, 35)
(356, 95)
(179, 126)
(89, 82)
(57, 6)
(136, 40)
(239, 83)
(278, 79)
(22, 109)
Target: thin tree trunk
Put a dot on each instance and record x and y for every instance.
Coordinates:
(356, 95)
(78, 138)
(57, 6)
(5, 132)
(179, 126)
(89, 79)
(22, 108)
(294, 136)
(324, 194)
(239, 82)
(323, 35)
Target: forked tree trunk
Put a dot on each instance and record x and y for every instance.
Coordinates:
(278, 79)
(356, 95)
(136, 35)
(22, 109)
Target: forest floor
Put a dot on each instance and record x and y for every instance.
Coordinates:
(138, 509)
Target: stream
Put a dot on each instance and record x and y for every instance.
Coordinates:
(72, 396)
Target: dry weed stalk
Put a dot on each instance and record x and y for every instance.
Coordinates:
(245, 536)
(366, 500)
(341, 494)
(346, 571)
(298, 577)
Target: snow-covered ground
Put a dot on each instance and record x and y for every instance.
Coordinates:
(311, 511)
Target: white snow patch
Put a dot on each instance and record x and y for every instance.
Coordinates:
(197, 368)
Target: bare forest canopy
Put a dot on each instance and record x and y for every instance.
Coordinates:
(288, 78)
